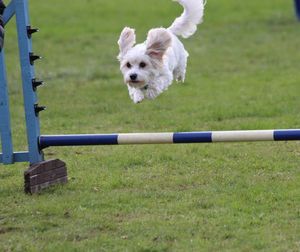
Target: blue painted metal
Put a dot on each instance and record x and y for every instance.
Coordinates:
(28, 74)
(33, 155)
(78, 140)
(17, 157)
(5, 126)
(8, 156)
(21, 156)
(297, 7)
(192, 137)
(9, 12)
(286, 135)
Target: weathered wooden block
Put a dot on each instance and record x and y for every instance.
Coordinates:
(44, 174)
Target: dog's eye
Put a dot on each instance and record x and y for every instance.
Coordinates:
(128, 65)
(142, 64)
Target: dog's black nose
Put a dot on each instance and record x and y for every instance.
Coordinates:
(133, 77)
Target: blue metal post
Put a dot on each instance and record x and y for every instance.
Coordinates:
(5, 126)
(297, 6)
(7, 156)
(28, 74)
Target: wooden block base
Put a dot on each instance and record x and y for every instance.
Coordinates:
(44, 174)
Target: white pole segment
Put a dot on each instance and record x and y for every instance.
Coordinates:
(243, 135)
(145, 138)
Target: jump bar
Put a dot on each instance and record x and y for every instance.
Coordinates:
(168, 138)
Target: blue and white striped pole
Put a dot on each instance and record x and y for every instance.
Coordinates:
(169, 138)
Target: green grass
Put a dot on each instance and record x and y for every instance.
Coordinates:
(243, 73)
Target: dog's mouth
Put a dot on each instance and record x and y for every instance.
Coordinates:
(136, 83)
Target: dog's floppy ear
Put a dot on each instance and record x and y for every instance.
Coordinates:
(158, 41)
(126, 41)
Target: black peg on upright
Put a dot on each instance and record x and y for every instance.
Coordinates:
(33, 58)
(38, 109)
(36, 83)
(30, 31)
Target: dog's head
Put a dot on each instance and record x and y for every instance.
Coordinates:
(140, 63)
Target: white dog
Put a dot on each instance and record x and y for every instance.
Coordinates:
(149, 68)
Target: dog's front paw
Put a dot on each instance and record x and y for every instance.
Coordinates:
(136, 95)
(137, 99)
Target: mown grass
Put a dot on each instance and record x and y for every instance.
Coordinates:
(243, 74)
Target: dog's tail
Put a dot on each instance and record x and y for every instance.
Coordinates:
(186, 24)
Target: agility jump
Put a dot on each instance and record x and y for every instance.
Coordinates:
(42, 173)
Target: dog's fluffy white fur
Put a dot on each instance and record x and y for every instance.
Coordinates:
(149, 68)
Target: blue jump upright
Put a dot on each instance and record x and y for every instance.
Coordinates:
(19, 9)
(42, 173)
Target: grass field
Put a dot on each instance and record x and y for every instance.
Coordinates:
(243, 73)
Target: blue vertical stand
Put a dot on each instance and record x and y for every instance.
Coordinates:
(19, 8)
(28, 76)
(5, 127)
(297, 6)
